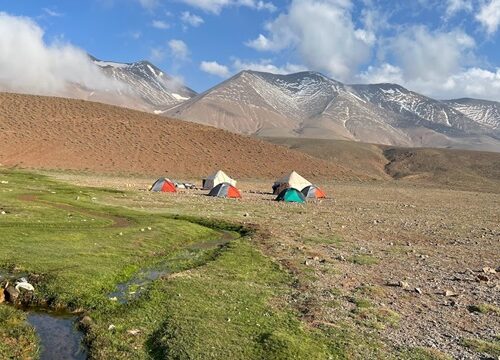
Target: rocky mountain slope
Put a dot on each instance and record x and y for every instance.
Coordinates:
(310, 105)
(484, 112)
(153, 86)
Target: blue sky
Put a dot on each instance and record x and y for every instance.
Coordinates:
(442, 48)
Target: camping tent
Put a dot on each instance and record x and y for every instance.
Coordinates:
(225, 190)
(291, 195)
(293, 180)
(313, 192)
(163, 185)
(217, 178)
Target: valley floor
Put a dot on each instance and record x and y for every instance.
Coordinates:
(378, 270)
(410, 269)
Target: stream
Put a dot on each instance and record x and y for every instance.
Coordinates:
(134, 287)
(59, 336)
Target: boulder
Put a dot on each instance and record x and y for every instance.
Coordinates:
(11, 294)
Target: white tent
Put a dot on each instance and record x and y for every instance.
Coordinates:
(293, 180)
(217, 178)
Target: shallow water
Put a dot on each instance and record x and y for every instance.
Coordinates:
(133, 288)
(59, 337)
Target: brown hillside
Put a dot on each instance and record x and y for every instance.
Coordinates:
(56, 133)
(459, 169)
(471, 170)
(363, 158)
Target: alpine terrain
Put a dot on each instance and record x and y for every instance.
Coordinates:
(154, 87)
(311, 105)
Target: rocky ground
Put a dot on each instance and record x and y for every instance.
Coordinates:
(412, 265)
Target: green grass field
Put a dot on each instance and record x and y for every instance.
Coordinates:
(214, 302)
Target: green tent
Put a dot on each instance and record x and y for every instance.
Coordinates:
(291, 195)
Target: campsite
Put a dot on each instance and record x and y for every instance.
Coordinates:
(330, 248)
(250, 180)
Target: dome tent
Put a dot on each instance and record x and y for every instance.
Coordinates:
(313, 192)
(215, 179)
(291, 195)
(163, 185)
(225, 190)
(292, 180)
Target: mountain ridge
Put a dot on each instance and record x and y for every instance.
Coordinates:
(309, 104)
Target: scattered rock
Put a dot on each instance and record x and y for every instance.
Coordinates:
(113, 298)
(418, 291)
(11, 294)
(111, 327)
(449, 293)
(133, 332)
(403, 284)
(482, 277)
(488, 270)
(150, 228)
(246, 214)
(341, 258)
(143, 229)
(86, 321)
(3, 212)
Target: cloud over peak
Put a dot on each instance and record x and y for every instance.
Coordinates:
(29, 65)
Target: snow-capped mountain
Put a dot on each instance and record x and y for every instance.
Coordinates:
(484, 112)
(415, 107)
(149, 83)
(309, 104)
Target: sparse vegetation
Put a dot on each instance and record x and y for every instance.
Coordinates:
(363, 259)
(491, 348)
(422, 353)
(485, 309)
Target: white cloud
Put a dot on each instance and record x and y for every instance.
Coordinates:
(191, 19)
(472, 82)
(489, 16)
(148, 4)
(52, 13)
(431, 56)
(159, 24)
(215, 6)
(385, 73)
(323, 35)
(29, 65)
(455, 6)
(157, 54)
(214, 68)
(178, 49)
(437, 64)
(266, 65)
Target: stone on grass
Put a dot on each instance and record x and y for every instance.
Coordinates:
(11, 294)
(133, 332)
(86, 321)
